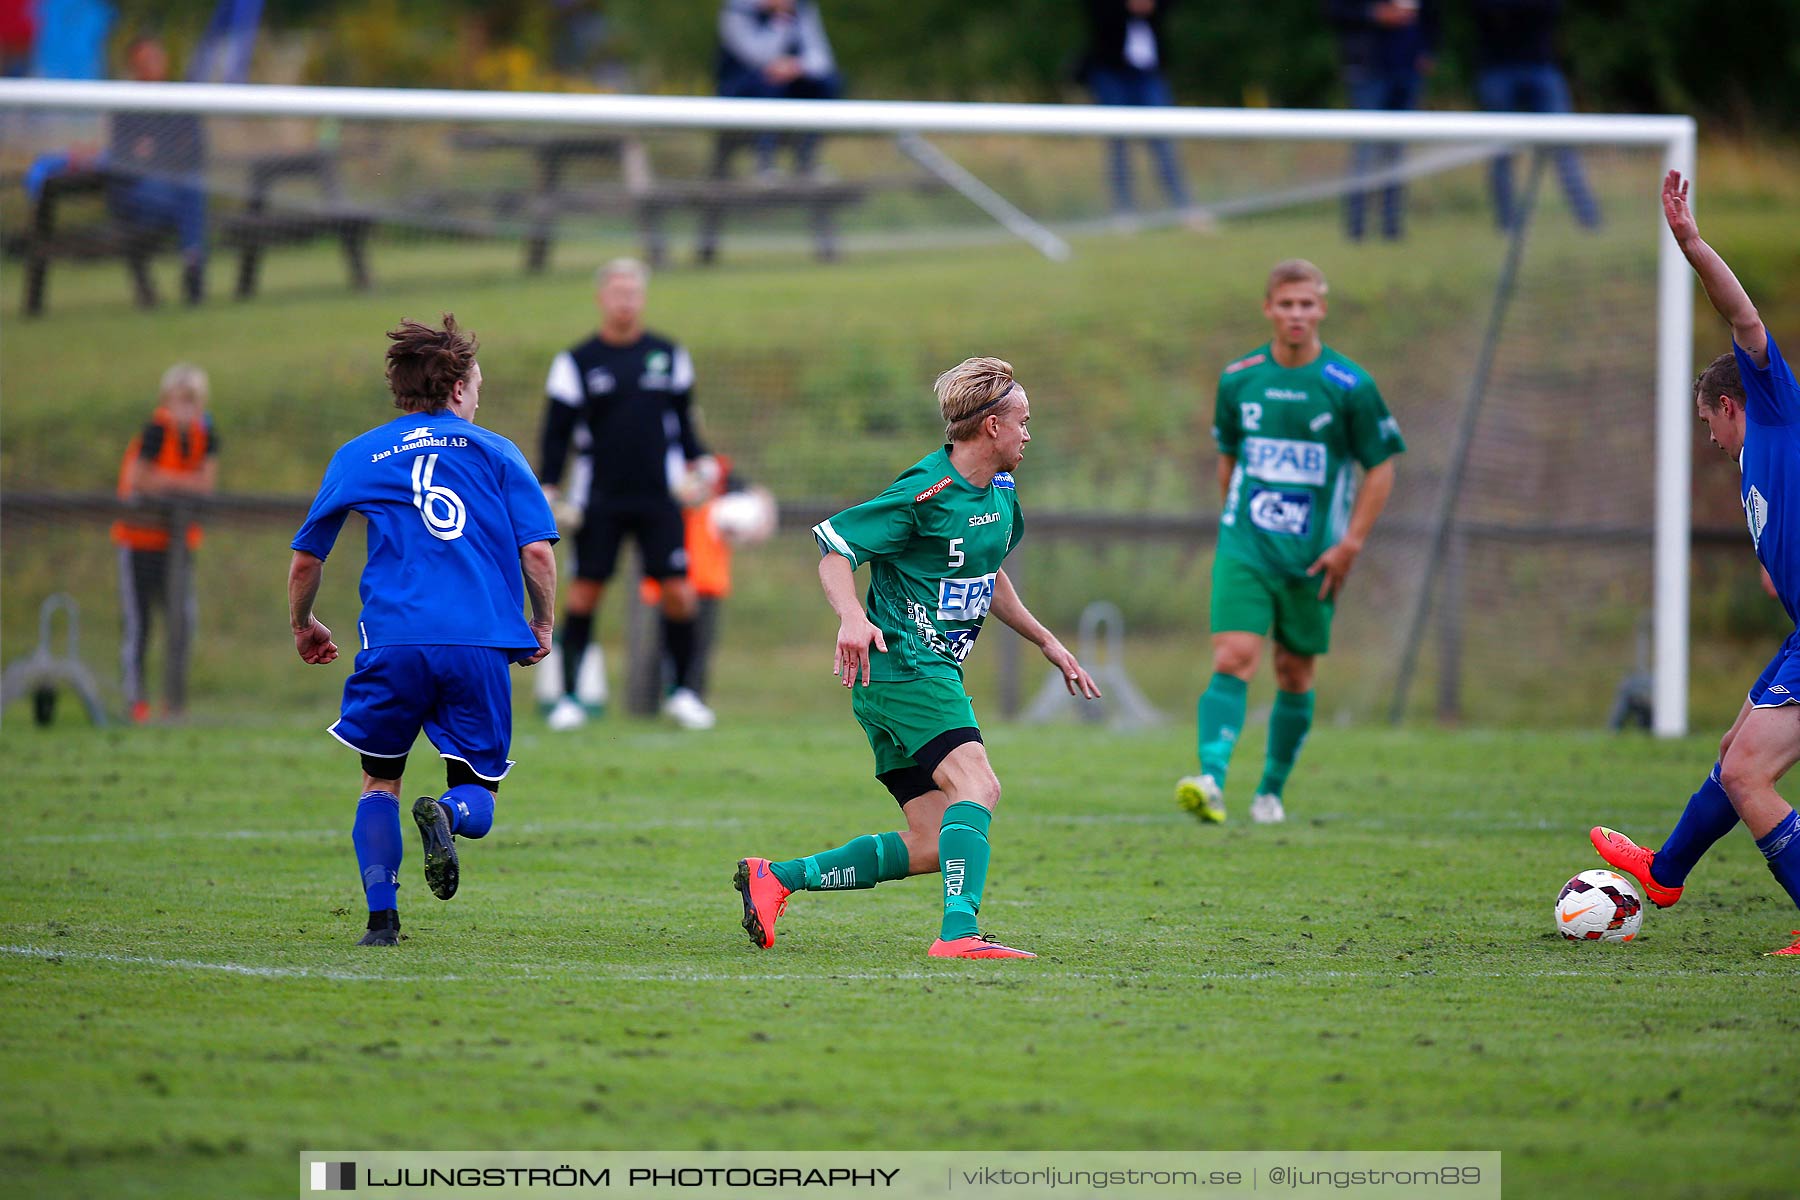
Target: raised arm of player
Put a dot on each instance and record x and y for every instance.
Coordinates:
(1722, 287)
(1010, 609)
(311, 639)
(538, 561)
(855, 630)
(1371, 498)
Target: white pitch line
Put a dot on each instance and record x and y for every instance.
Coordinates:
(189, 964)
(230, 835)
(580, 972)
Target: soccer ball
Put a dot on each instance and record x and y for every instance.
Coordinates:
(1599, 906)
(744, 518)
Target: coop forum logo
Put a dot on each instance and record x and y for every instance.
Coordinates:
(333, 1177)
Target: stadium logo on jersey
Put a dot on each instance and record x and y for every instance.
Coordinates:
(1241, 363)
(1281, 512)
(1319, 422)
(965, 599)
(600, 381)
(444, 512)
(984, 519)
(931, 491)
(1282, 460)
(1284, 394)
(1004, 479)
(1756, 514)
(1339, 374)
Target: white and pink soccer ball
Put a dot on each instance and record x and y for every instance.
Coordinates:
(1599, 906)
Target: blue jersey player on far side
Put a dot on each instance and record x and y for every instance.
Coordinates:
(1750, 404)
(455, 516)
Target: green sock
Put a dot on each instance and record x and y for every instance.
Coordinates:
(1289, 722)
(963, 855)
(856, 865)
(1221, 718)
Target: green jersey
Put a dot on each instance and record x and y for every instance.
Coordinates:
(934, 543)
(1295, 433)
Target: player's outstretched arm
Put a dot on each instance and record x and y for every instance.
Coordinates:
(311, 639)
(538, 562)
(1010, 609)
(1722, 287)
(855, 630)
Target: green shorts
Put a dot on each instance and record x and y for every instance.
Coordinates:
(1248, 600)
(903, 716)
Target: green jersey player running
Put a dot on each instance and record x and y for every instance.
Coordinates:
(934, 542)
(1293, 420)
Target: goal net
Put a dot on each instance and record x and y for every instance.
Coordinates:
(823, 262)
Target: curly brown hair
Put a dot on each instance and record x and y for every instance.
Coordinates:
(424, 365)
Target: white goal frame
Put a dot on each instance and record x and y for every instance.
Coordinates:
(1675, 135)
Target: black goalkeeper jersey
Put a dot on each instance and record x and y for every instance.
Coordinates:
(629, 408)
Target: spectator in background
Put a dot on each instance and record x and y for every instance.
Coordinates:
(176, 454)
(1124, 65)
(1516, 72)
(159, 158)
(1386, 49)
(777, 50)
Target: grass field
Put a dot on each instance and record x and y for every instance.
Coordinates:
(182, 1008)
(185, 1010)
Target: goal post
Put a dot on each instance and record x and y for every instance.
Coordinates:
(1674, 137)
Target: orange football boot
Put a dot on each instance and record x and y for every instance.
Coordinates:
(1793, 949)
(1623, 854)
(977, 946)
(764, 899)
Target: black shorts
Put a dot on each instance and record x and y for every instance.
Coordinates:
(656, 526)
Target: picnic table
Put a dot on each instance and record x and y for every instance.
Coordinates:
(632, 188)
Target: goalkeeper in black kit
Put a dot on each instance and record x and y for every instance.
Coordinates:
(622, 400)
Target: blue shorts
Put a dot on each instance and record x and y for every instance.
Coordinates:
(1779, 683)
(461, 696)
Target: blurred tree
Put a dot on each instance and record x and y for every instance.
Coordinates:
(1736, 61)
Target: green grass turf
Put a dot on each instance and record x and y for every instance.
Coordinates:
(1381, 972)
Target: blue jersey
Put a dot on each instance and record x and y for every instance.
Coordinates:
(449, 505)
(1771, 466)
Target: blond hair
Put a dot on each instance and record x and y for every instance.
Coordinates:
(1295, 270)
(184, 377)
(622, 266)
(968, 392)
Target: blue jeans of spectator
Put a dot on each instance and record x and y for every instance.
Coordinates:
(750, 83)
(165, 203)
(1398, 91)
(1535, 88)
(1143, 89)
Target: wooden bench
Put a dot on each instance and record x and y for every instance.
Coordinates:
(99, 236)
(262, 223)
(648, 200)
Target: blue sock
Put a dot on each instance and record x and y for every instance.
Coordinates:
(376, 836)
(1781, 846)
(471, 809)
(1707, 818)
